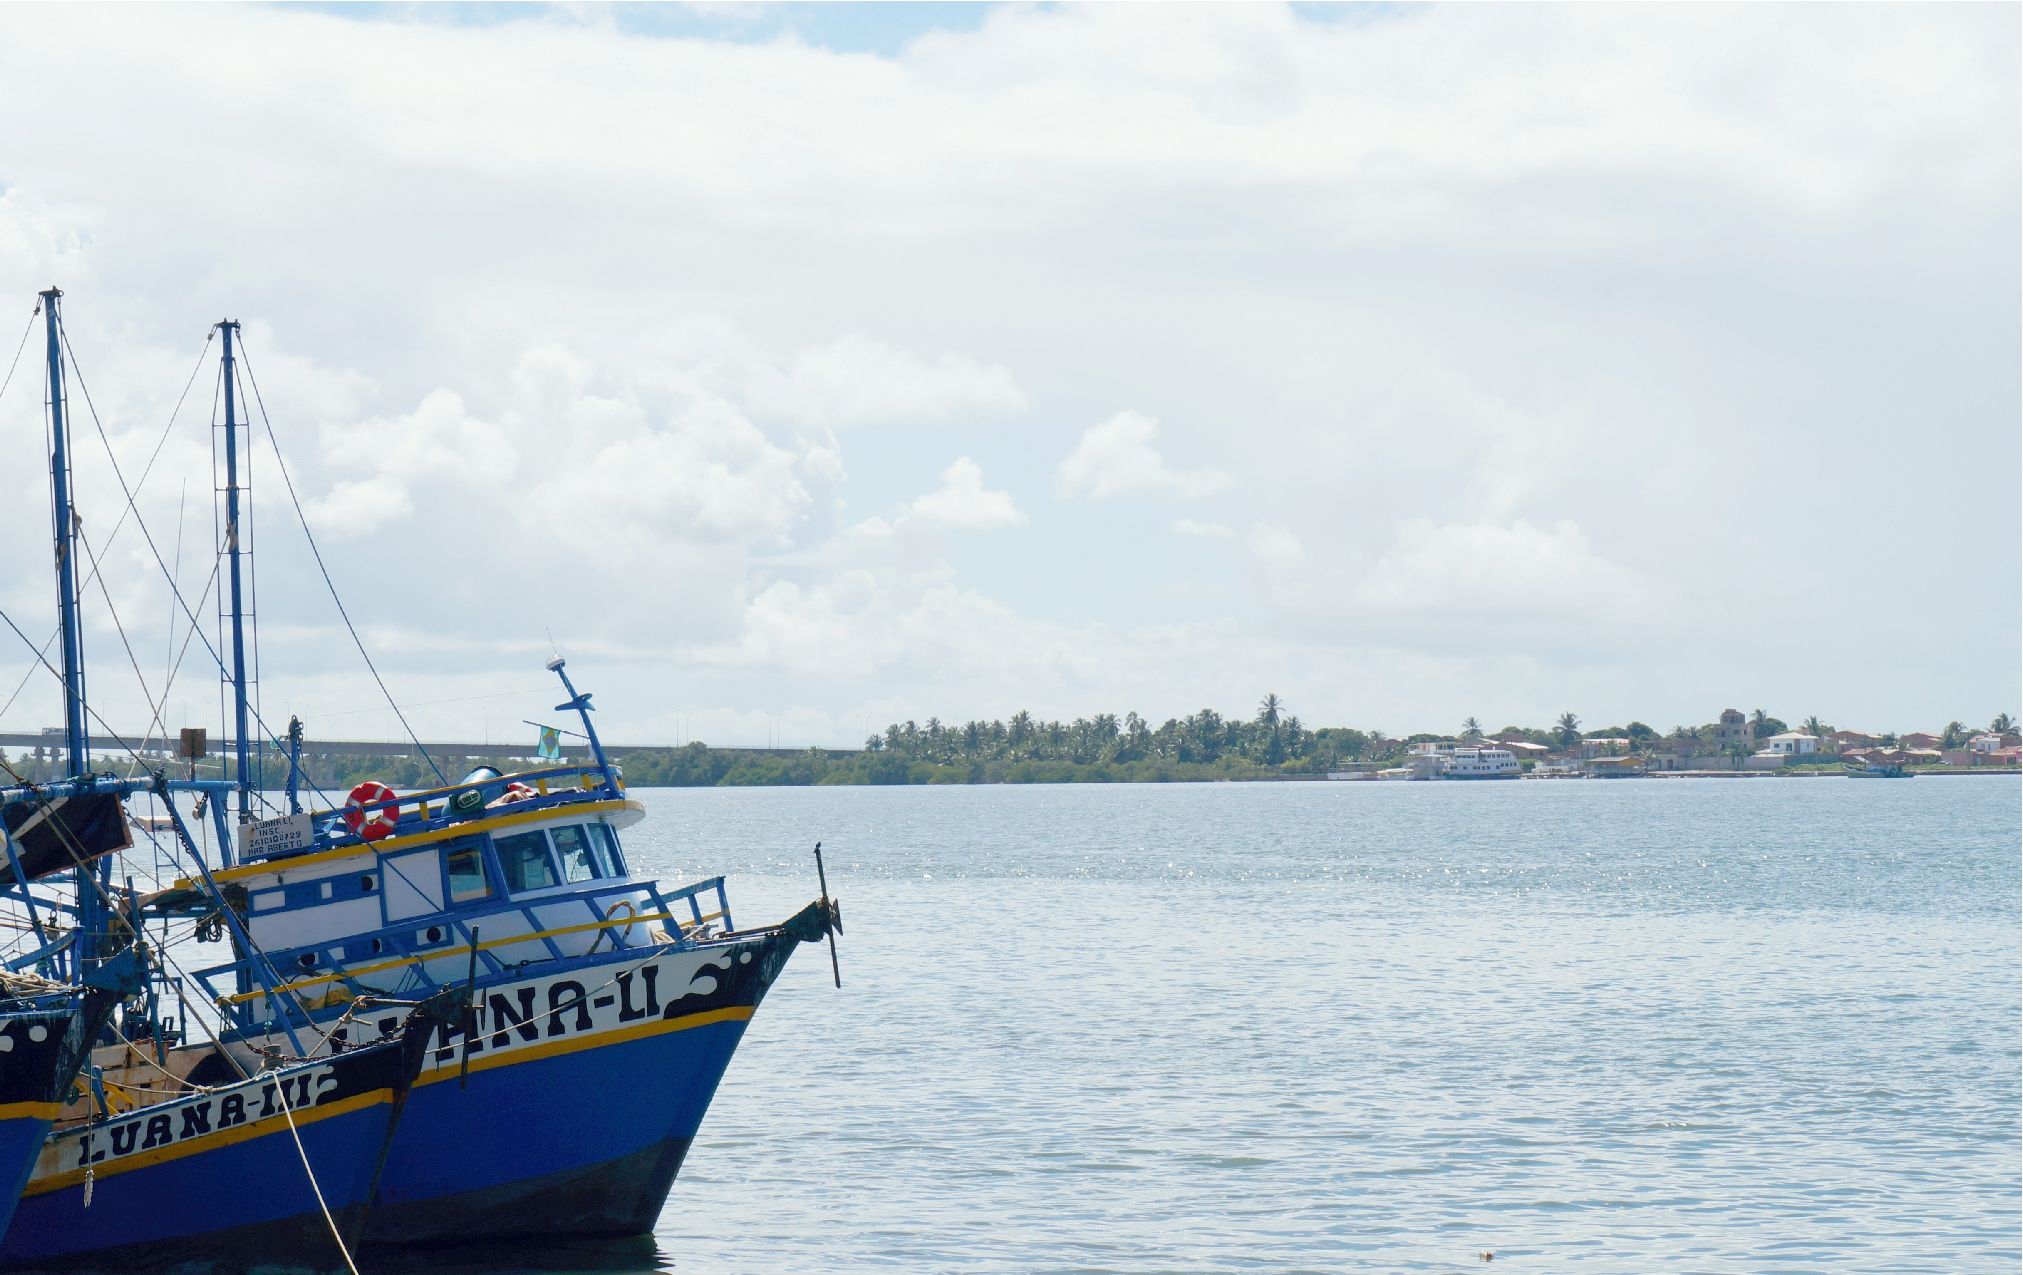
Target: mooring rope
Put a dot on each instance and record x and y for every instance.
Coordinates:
(281, 1088)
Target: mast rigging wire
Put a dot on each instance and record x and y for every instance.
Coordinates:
(33, 315)
(120, 522)
(317, 553)
(128, 492)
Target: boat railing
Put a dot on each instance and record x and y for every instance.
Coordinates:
(393, 960)
(435, 808)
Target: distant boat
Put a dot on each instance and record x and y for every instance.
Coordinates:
(1556, 770)
(1615, 768)
(1481, 763)
(1877, 770)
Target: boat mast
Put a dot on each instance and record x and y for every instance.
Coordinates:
(244, 782)
(92, 878)
(76, 742)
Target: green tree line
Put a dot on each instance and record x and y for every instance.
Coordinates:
(1271, 743)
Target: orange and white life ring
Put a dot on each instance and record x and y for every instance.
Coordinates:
(371, 825)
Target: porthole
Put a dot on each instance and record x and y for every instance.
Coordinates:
(307, 960)
(365, 883)
(435, 933)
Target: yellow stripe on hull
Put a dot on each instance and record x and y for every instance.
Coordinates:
(398, 844)
(30, 1110)
(555, 1049)
(225, 1138)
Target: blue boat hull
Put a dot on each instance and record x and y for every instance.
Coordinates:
(21, 1139)
(509, 1157)
(571, 1134)
(216, 1180)
(39, 1053)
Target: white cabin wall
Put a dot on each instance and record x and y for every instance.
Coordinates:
(327, 923)
(413, 884)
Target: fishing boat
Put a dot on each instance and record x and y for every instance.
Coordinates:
(1863, 768)
(276, 1169)
(602, 1008)
(590, 981)
(269, 1167)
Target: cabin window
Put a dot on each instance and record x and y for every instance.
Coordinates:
(573, 849)
(604, 850)
(524, 860)
(466, 867)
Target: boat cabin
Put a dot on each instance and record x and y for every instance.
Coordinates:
(532, 872)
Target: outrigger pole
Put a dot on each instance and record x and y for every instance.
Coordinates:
(243, 781)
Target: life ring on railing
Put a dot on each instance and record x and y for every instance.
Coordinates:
(631, 918)
(370, 825)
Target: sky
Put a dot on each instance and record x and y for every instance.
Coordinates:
(796, 370)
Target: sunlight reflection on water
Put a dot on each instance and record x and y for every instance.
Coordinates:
(1711, 1026)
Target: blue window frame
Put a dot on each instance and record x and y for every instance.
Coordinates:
(524, 862)
(464, 877)
(572, 848)
(604, 850)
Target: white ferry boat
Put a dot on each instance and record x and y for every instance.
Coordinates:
(1481, 763)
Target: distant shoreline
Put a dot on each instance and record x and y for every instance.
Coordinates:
(698, 766)
(1796, 772)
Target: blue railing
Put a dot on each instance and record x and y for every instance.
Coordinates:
(336, 969)
(435, 808)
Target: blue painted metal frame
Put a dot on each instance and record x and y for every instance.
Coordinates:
(91, 912)
(89, 907)
(229, 328)
(408, 822)
(76, 743)
(459, 927)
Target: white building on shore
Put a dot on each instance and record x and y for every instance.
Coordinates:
(1792, 743)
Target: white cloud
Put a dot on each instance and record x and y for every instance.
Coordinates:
(1484, 570)
(856, 381)
(1274, 546)
(1117, 458)
(962, 502)
(618, 312)
(375, 463)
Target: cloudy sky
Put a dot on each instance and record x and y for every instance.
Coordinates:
(798, 370)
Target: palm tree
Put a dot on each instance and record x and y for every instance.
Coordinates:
(1759, 724)
(1813, 726)
(1569, 729)
(2002, 724)
(1268, 710)
(1471, 729)
(1954, 735)
(1019, 733)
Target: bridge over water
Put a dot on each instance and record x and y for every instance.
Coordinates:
(16, 741)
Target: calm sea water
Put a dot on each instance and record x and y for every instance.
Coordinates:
(1629, 1026)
